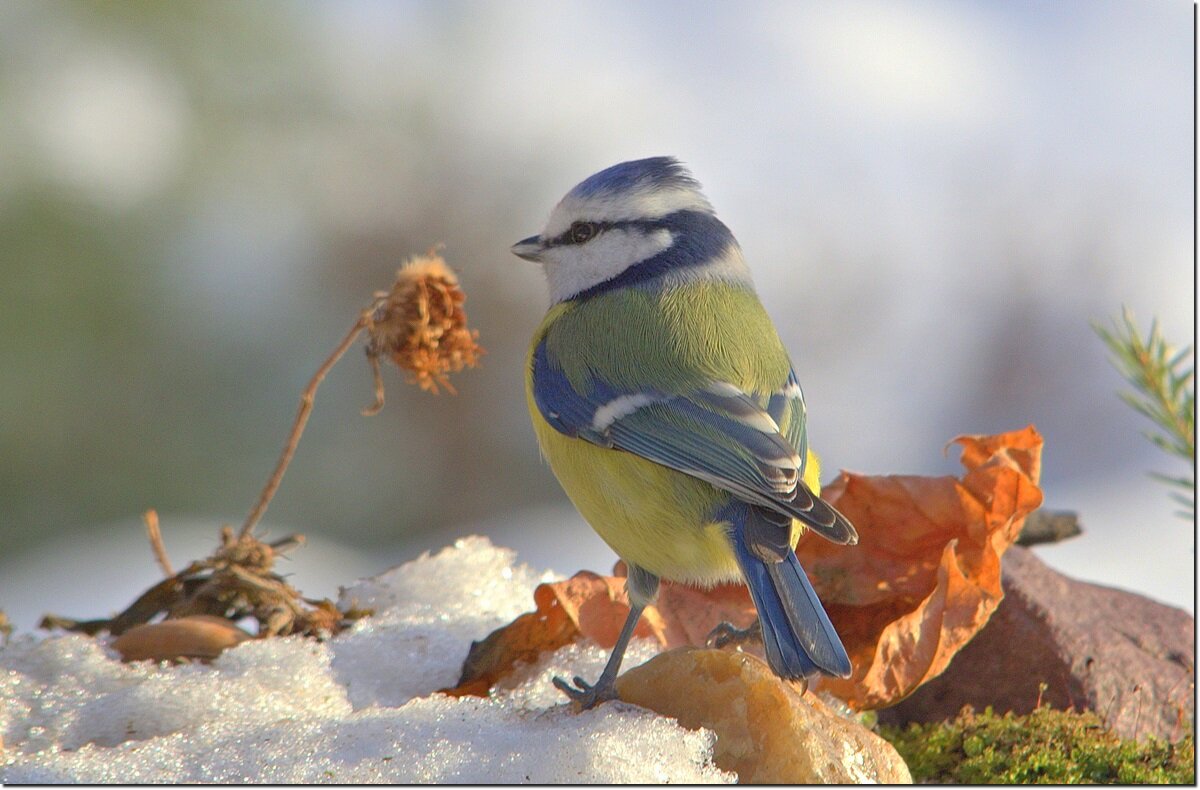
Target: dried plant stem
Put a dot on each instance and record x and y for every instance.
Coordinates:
(150, 518)
(377, 376)
(306, 404)
(419, 325)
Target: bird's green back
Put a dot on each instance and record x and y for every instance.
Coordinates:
(688, 336)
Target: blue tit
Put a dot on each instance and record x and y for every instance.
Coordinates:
(668, 409)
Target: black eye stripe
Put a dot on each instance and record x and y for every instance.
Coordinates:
(581, 232)
(567, 237)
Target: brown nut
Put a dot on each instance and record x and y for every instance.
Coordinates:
(197, 636)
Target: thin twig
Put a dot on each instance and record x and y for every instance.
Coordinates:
(1049, 526)
(377, 376)
(306, 404)
(150, 519)
(287, 544)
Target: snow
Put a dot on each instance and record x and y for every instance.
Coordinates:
(360, 707)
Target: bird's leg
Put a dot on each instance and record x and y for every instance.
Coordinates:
(725, 634)
(642, 587)
(589, 696)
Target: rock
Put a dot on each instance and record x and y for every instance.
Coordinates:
(768, 730)
(1124, 656)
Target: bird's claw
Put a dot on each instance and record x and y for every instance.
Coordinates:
(584, 694)
(725, 634)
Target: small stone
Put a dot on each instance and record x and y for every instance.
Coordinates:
(768, 731)
(198, 636)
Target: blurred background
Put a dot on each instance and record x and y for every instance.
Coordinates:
(196, 199)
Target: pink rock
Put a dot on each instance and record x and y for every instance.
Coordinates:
(1130, 659)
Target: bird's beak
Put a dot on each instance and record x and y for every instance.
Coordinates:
(530, 249)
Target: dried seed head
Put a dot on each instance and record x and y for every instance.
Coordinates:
(420, 324)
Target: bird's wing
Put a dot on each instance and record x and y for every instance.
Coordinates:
(715, 432)
(786, 407)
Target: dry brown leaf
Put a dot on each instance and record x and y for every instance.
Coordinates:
(595, 607)
(586, 605)
(924, 578)
(689, 614)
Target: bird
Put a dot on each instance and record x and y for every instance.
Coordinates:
(669, 410)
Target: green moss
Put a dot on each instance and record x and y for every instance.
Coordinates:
(1046, 746)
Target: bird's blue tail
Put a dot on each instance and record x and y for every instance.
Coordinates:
(798, 637)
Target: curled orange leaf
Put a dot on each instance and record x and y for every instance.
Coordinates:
(925, 576)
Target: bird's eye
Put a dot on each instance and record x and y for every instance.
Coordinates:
(581, 232)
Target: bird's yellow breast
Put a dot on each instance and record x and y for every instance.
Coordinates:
(650, 515)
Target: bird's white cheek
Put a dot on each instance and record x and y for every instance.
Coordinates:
(575, 268)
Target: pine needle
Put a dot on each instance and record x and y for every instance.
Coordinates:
(1164, 392)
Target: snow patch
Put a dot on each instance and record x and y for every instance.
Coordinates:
(360, 707)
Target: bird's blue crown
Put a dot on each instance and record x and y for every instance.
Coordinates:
(641, 175)
(639, 223)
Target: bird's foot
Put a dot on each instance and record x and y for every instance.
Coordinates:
(725, 635)
(585, 695)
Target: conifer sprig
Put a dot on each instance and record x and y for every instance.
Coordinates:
(1164, 392)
